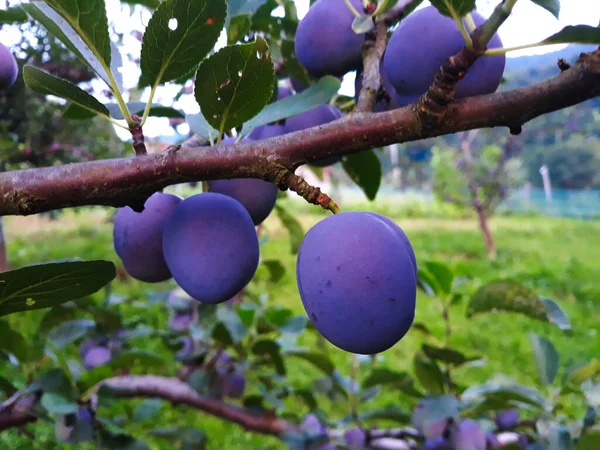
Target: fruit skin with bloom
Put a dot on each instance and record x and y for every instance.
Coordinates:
(9, 69)
(325, 43)
(507, 419)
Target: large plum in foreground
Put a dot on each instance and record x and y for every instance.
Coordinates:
(357, 282)
(325, 43)
(210, 246)
(312, 118)
(411, 66)
(8, 68)
(257, 196)
(402, 236)
(138, 237)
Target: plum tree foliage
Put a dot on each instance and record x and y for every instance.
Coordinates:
(357, 273)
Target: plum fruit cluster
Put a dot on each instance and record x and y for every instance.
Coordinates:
(8, 68)
(99, 351)
(416, 50)
(356, 274)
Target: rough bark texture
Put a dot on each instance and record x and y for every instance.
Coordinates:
(128, 181)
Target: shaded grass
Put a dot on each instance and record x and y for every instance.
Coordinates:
(553, 256)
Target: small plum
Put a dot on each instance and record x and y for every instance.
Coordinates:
(96, 356)
(492, 441)
(421, 44)
(234, 385)
(211, 247)
(355, 437)
(325, 43)
(138, 237)
(507, 419)
(257, 196)
(180, 322)
(357, 282)
(436, 443)
(312, 425)
(9, 70)
(317, 116)
(469, 436)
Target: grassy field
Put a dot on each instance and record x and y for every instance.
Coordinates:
(557, 258)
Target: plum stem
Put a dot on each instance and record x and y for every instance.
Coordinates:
(470, 23)
(352, 8)
(138, 136)
(459, 23)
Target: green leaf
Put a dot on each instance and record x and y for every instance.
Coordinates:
(168, 54)
(235, 84)
(238, 27)
(571, 34)
(319, 360)
(293, 226)
(546, 358)
(503, 394)
(427, 282)
(582, 372)
(138, 108)
(433, 409)
(12, 342)
(55, 316)
(231, 320)
(46, 285)
(272, 349)
(152, 4)
(506, 295)
(589, 441)
(316, 95)
(43, 83)
(14, 14)
(193, 439)
(462, 7)
(201, 127)
(555, 314)
(390, 378)
(143, 358)
(276, 269)
(88, 19)
(390, 412)
(235, 7)
(70, 331)
(446, 355)
(364, 168)
(442, 273)
(552, 6)
(55, 381)
(429, 374)
(61, 30)
(7, 387)
(57, 404)
(146, 409)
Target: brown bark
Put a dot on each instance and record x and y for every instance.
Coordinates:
(128, 181)
(490, 245)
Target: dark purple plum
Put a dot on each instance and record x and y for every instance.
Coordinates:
(469, 436)
(507, 419)
(357, 282)
(266, 132)
(436, 443)
(234, 385)
(492, 441)
(317, 116)
(402, 236)
(312, 425)
(223, 362)
(210, 246)
(298, 85)
(421, 44)
(187, 347)
(89, 343)
(96, 356)
(9, 70)
(138, 237)
(257, 196)
(325, 43)
(180, 322)
(355, 437)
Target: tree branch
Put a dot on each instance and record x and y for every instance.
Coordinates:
(119, 182)
(373, 50)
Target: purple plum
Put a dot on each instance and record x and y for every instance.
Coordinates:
(312, 425)
(234, 385)
(96, 356)
(9, 70)
(257, 196)
(469, 436)
(492, 441)
(325, 43)
(421, 44)
(138, 237)
(436, 443)
(355, 437)
(187, 347)
(507, 419)
(211, 247)
(357, 282)
(267, 131)
(180, 322)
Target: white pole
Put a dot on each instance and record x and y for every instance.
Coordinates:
(546, 180)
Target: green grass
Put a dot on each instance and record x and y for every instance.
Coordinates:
(553, 256)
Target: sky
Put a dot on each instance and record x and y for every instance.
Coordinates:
(527, 24)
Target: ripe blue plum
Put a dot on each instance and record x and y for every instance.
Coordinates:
(325, 43)
(437, 443)
(402, 236)
(317, 116)
(257, 196)
(8, 68)
(421, 44)
(492, 441)
(357, 282)
(96, 356)
(355, 437)
(507, 419)
(180, 322)
(469, 436)
(138, 237)
(267, 131)
(234, 385)
(210, 246)
(312, 425)
(187, 347)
